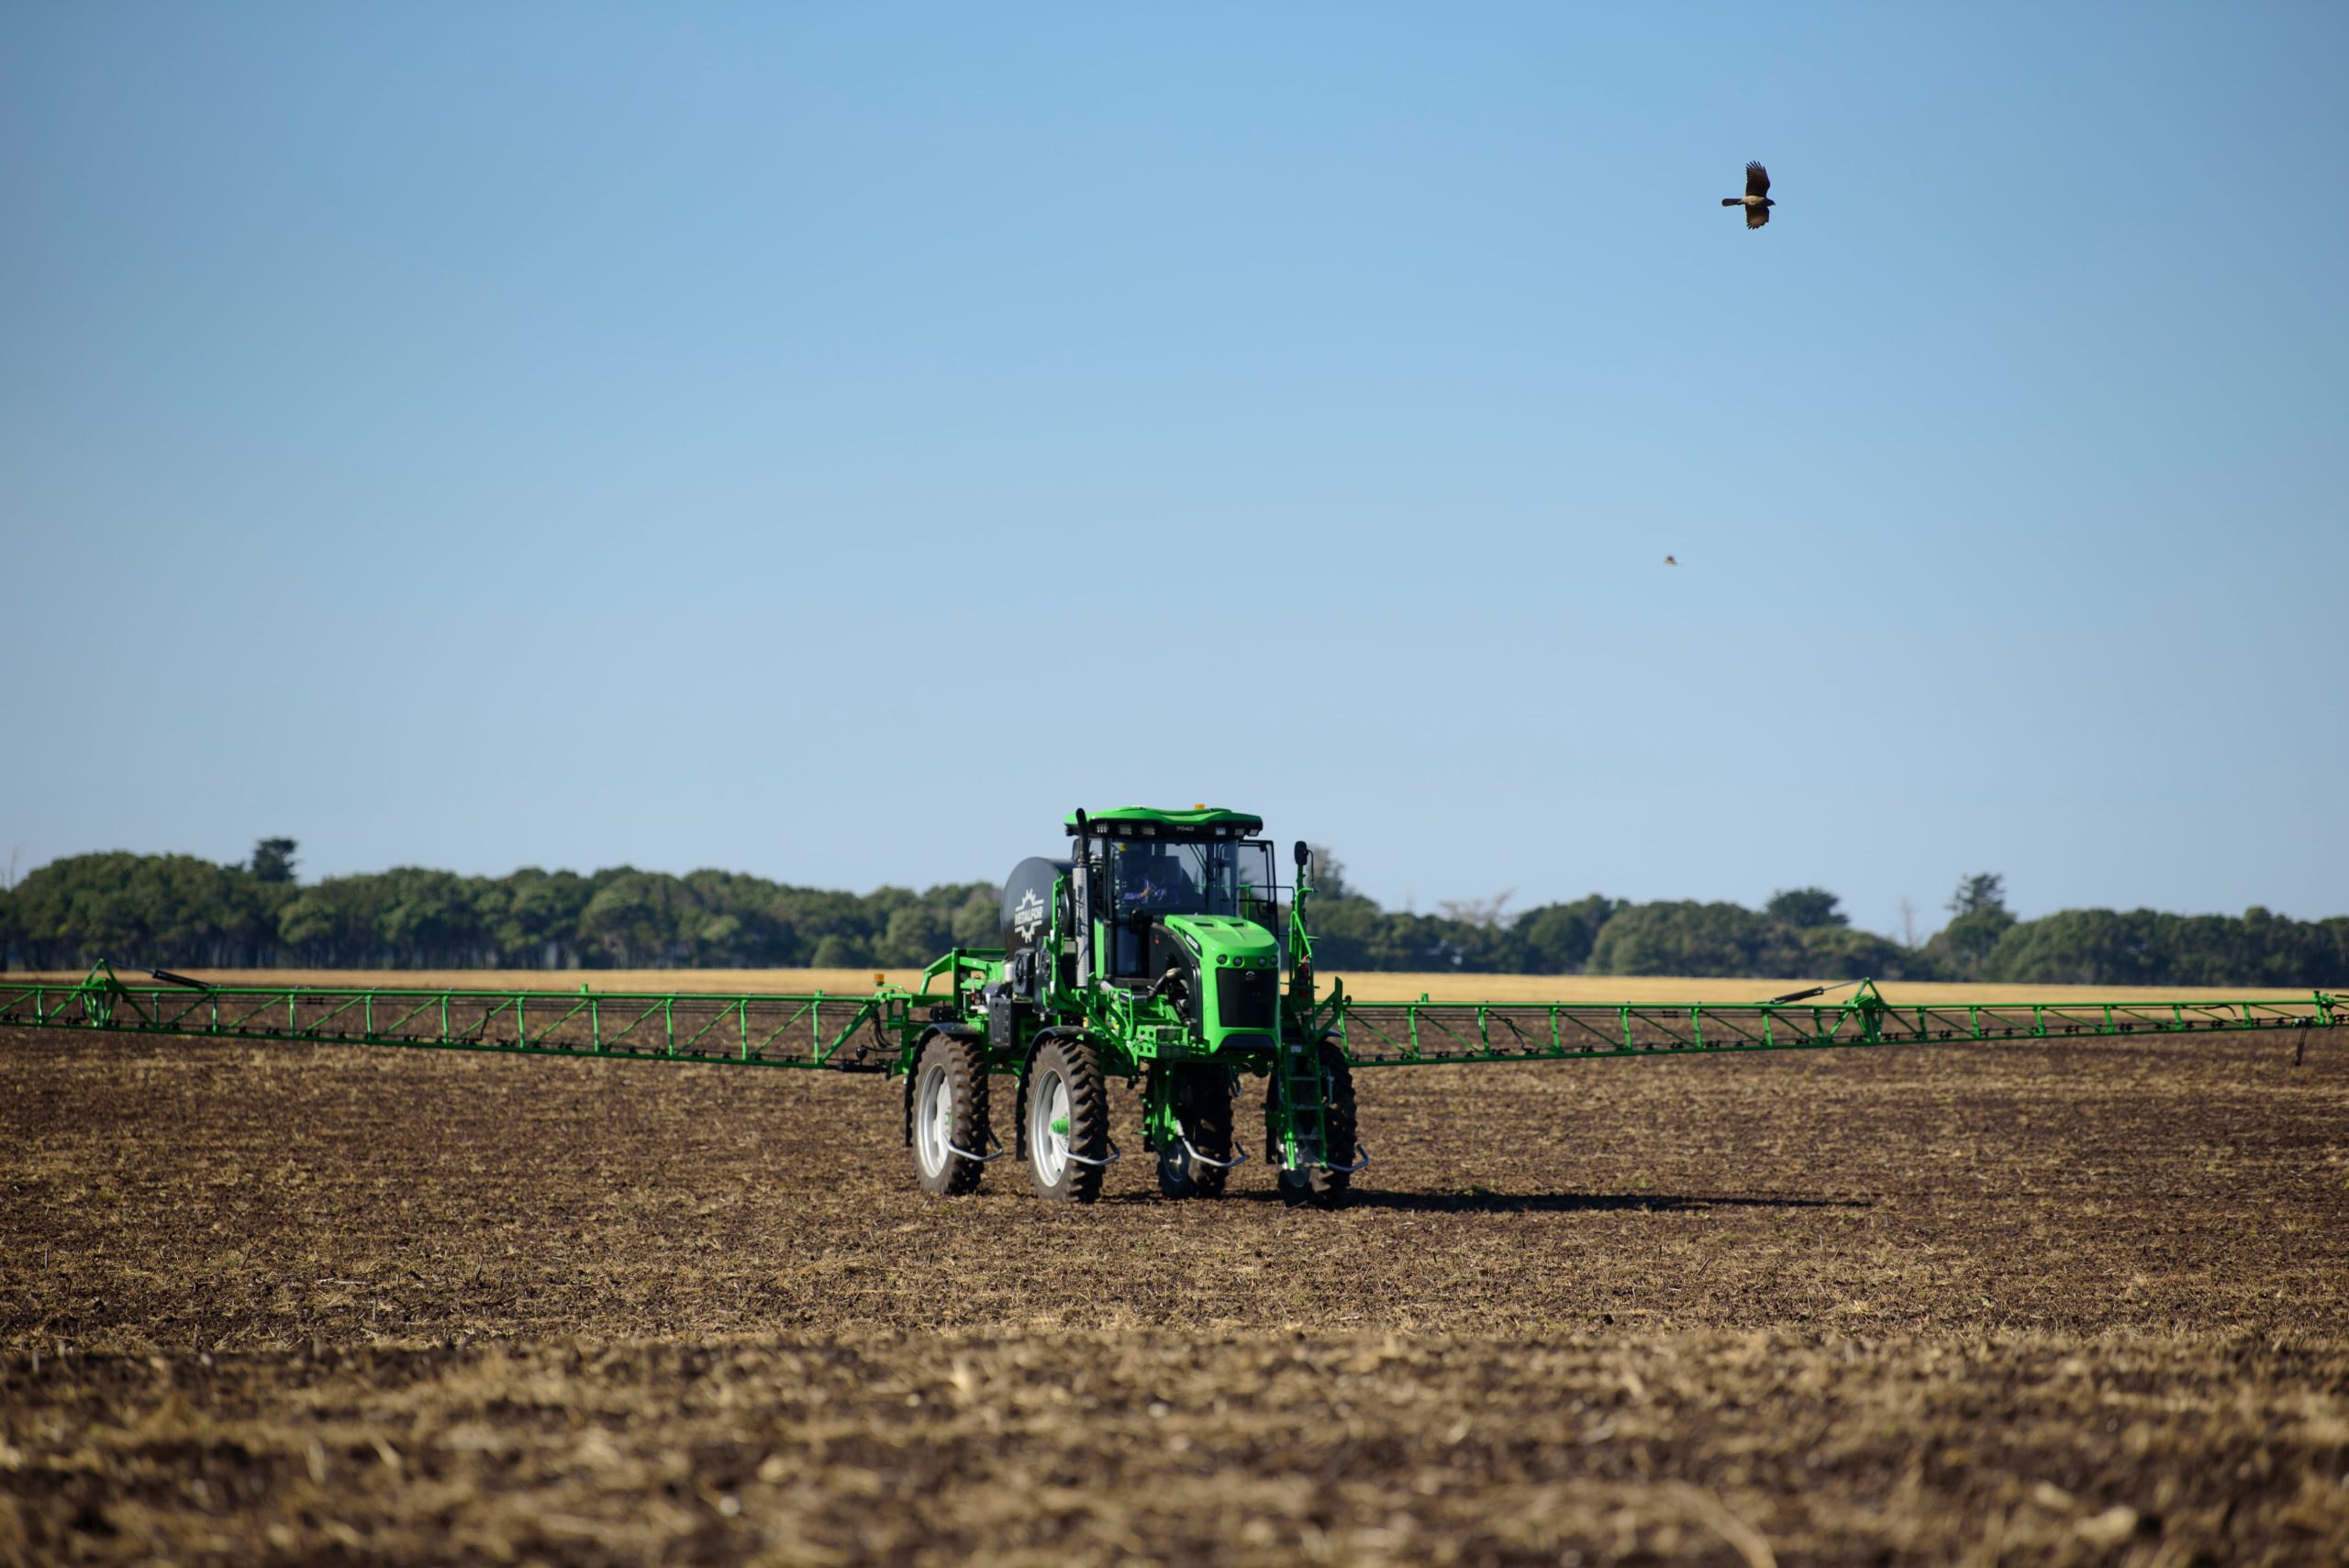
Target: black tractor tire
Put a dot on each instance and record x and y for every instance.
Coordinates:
(1064, 1085)
(1203, 1105)
(946, 1110)
(1315, 1185)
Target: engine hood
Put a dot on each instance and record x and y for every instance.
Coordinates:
(1224, 940)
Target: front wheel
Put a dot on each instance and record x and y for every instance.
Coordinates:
(1065, 1118)
(946, 1114)
(1202, 1107)
(1315, 1182)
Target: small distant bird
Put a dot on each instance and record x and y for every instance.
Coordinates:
(1671, 560)
(1757, 200)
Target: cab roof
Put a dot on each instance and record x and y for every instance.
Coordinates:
(1153, 822)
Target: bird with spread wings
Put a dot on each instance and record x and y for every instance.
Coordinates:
(1757, 200)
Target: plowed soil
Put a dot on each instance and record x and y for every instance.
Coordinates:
(2087, 1304)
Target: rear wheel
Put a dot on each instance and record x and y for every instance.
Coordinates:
(1315, 1183)
(946, 1114)
(1203, 1106)
(1065, 1120)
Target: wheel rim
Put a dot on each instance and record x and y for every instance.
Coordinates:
(934, 1120)
(1048, 1127)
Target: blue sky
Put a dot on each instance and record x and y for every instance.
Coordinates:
(831, 442)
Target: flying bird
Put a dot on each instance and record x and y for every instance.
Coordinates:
(1757, 200)
(1671, 560)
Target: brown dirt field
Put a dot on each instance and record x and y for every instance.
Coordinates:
(2079, 1304)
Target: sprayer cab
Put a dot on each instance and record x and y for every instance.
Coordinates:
(1177, 909)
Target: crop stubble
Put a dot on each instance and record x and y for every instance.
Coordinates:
(2073, 1304)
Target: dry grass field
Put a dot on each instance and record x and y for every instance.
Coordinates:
(2073, 1304)
(1374, 987)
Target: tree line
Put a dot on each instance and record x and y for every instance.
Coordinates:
(170, 911)
(1804, 933)
(167, 910)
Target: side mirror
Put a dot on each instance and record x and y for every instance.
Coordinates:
(1303, 854)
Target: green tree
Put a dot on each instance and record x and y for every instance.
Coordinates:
(1977, 894)
(1349, 932)
(915, 935)
(837, 951)
(1806, 907)
(810, 915)
(637, 920)
(168, 911)
(427, 920)
(274, 860)
(1557, 938)
(739, 928)
(2145, 947)
(720, 941)
(2078, 947)
(977, 920)
(1839, 952)
(1978, 919)
(308, 926)
(1693, 939)
(1327, 871)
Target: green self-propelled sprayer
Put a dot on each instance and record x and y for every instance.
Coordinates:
(1160, 950)
(1157, 951)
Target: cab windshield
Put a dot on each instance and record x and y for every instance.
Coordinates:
(1171, 878)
